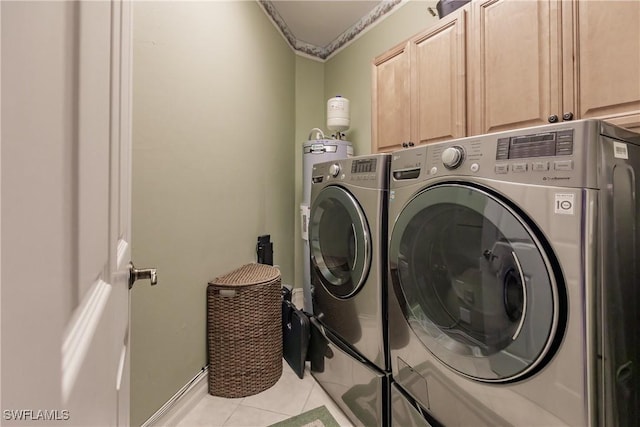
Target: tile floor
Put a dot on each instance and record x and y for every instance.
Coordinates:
(288, 397)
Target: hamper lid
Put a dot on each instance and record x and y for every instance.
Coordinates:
(249, 274)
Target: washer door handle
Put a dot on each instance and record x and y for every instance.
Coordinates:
(524, 296)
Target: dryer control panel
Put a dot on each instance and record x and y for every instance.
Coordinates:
(362, 171)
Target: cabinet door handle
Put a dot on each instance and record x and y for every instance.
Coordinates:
(567, 116)
(553, 118)
(411, 144)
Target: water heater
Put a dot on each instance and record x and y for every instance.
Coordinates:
(338, 114)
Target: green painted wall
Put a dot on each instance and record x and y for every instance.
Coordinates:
(348, 73)
(213, 156)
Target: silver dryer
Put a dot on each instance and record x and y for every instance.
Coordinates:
(348, 240)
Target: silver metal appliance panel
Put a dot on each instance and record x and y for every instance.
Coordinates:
(403, 413)
(320, 151)
(556, 394)
(359, 319)
(617, 295)
(462, 409)
(357, 388)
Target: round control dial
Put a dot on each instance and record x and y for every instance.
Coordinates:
(334, 170)
(452, 157)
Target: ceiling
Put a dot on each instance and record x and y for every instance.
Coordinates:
(319, 28)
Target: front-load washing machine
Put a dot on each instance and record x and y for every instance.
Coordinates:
(513, 270)
(348, 241)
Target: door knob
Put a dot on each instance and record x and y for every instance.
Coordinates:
(567, 116)
(143, 273)
(553, 118)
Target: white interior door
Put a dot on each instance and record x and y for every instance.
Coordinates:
(66, 212)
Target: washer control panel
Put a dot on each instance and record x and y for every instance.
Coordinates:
(545, 155)
(528, 151)
(458, 156)
(543, 144)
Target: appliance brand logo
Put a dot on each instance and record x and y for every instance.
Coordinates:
(556, 178)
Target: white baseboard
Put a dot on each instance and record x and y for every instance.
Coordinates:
(182, 402)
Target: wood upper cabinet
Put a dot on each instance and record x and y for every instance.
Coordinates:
(419, 87)
(390, 93)
(533, 61)
(605, 36)
(438, 81)
(514, 64)
(503, 64)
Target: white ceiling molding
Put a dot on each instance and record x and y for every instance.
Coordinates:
(323, 52)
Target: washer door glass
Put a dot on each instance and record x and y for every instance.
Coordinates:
(339, 242)
(475, 286)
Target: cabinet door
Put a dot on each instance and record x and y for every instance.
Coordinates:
(438, 81)
(514, 64)
(390, 116)
(606, 41)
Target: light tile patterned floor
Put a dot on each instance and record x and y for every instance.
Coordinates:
(288, 397)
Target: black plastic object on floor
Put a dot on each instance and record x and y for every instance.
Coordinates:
(295, 336)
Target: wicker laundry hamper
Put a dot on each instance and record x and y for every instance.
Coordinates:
(244, 331)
